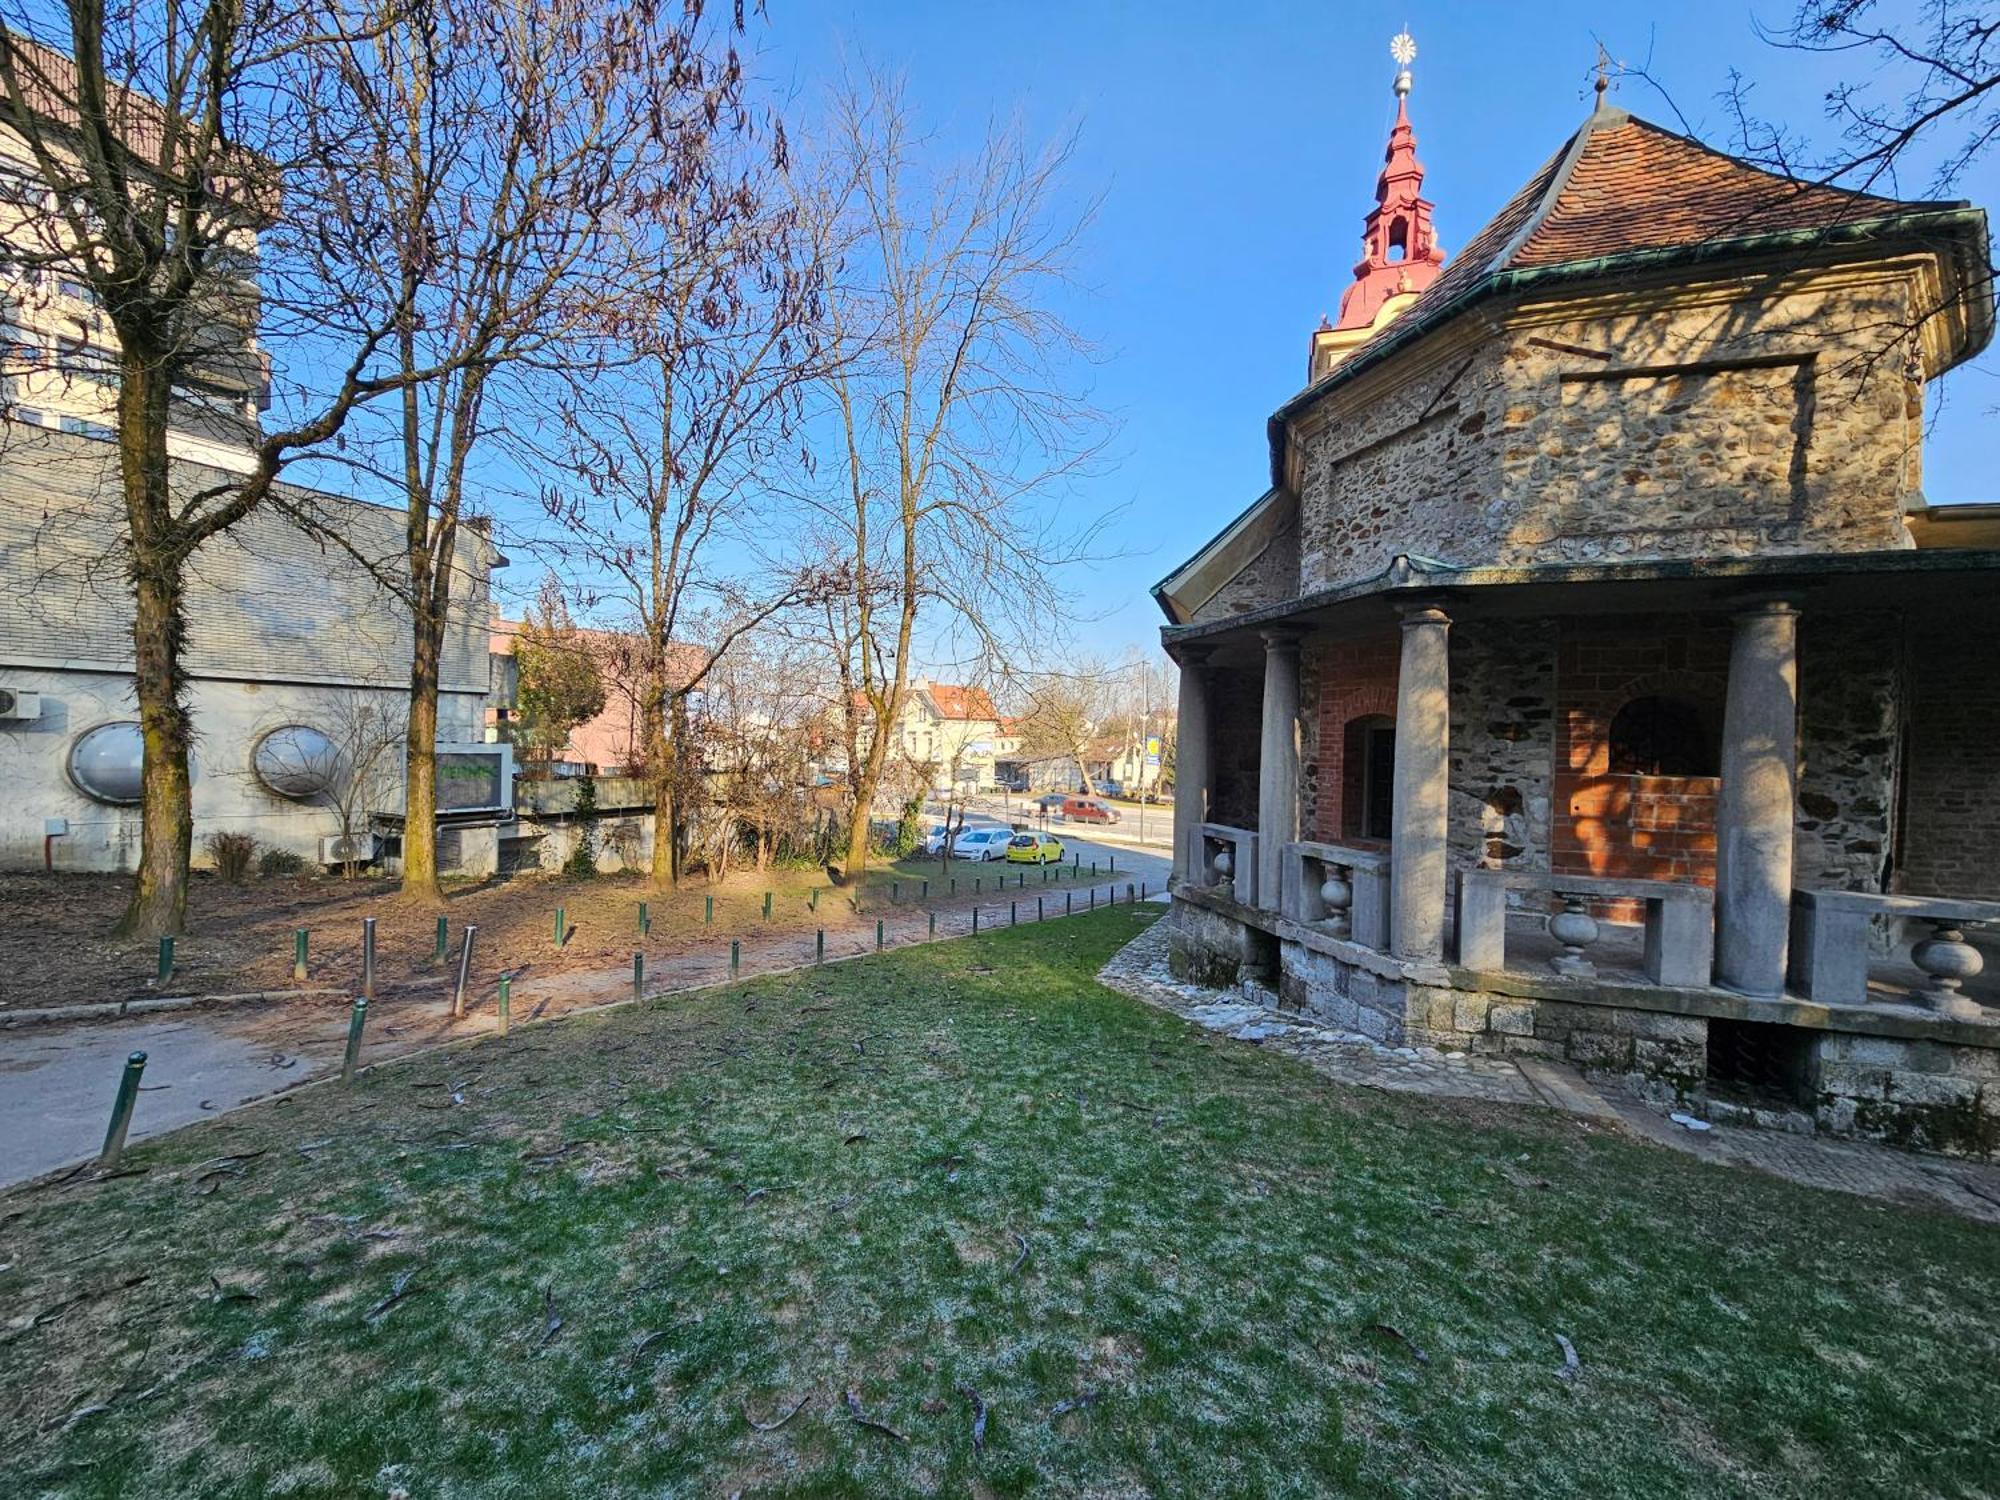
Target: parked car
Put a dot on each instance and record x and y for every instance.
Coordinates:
(1088, 810)
(1052, 802)
(1034, 849)
(1111, 788)
(934, 837)
(981, 844)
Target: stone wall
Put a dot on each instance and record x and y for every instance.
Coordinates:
(1850, 713)
(1271, 577)
(1749, 419)
(1950, 839)
(1503, 692)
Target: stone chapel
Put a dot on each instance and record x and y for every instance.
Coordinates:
(1593, 680)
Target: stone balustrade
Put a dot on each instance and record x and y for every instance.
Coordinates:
(1226, 857)
(1679, 923)
(1830, 947)
(1343, 892)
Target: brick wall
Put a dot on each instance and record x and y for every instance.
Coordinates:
(1631, 826)
(1950, 838)
(1354, 678)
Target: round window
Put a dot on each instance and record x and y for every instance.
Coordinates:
(105, 762)
(295, 761)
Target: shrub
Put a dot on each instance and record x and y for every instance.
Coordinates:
(232, 853)
(281, 862)
(582, 861)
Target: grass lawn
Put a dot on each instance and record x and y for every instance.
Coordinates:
(601, 1258)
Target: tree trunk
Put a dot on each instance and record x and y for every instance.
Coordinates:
(166, 839)
(665, 872)
(420, 873)
(864, 802)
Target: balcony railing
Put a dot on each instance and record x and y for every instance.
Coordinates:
(1831, 946)
(1342, 892)
(1678, 936)
(1225, 858)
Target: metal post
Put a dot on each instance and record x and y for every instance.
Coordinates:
(443, 943)
(299, 941)
(638, 976)
(464, 971)
(708, 911)
(878, 934)
(645, 920)
(1021, 881)
(1069, 899)
(1038, 908)
(368, 958)
(121, 1111)
(954, 885)
(819, 946)
(1129, 897)
(1113, 866)
(506, 1001)
(562, 926)
(735, 958)
(927, 889)
(1013, 914)
(978, 884)
(1093, 898)
(933, 924)
(355, 1022)
(975, 920)
(1093, 869)
(895, 892)
(812, 899)
(166, 959)
(767, 906)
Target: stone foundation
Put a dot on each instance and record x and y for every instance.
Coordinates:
(1921, 1091)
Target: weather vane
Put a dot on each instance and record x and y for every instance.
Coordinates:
(1403, 48)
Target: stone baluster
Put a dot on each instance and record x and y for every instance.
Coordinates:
(1423, 786)
(1755, 812)
(1576, 929)
(1947, 961)
(1336, 894)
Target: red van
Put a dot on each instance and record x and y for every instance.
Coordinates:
(1086, 810)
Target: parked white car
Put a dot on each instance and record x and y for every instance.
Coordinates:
(982, 844)
(933, 839)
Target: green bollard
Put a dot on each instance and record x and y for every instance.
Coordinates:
(1130, 899)
(368, 958)
(975, 920)
(1039, 913)
(638, 976)
(767, 906)
(895, 892)
(121, 1111)
(1093, 898)
(978, 884)
(443, 948)
(352, 1057)
(1021, 881)
(927, 890)
(878, 934)
(562, 926)
(812, 899)
(1013, 914)
(1093, 869)
(735, 958)
(464, 972)
(506, 1001)
(819, 946)
(645, 920)
(1114, 863)
(166, 959)
(708, 911)
(933, 924)
(299, 956)
(1076, 861)
(954, 885)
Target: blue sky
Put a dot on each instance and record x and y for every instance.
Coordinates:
(1235, 151)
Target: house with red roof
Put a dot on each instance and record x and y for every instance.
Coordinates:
(1592, 679)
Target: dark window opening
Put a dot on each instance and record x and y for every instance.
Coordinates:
(1656, 736)
(1369, 795)
(1399, 239)
(1758, 1063)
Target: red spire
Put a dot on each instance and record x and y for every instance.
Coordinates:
(1399, 249)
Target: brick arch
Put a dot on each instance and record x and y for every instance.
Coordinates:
(1357, 680)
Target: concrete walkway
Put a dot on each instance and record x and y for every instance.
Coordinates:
(1969, 1189)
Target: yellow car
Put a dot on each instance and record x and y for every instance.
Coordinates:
(1034, 849)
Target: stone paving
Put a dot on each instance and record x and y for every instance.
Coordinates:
(1251, 1014)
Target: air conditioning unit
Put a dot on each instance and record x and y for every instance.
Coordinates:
(346, 849)
(16, 705)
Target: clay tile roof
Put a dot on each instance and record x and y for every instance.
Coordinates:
(955, 702)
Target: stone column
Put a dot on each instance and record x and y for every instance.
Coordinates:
(1755, 814)
(1417, 871)
(1191, 763)
(1278, 762)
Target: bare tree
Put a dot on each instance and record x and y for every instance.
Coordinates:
(1066, 714)
(508, 148)
(952, 405)
(672, 445)
(163, 139)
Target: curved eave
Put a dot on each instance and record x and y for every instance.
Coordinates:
(1961, 223)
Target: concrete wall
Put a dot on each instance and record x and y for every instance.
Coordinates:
(1725, 421)
(280, 631)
